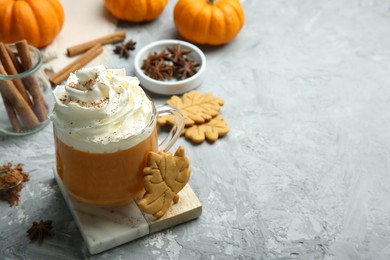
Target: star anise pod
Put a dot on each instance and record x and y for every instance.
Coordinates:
(153, 58)
(130, 45)
(123, 50)
(39, 230)
(186, 68)
(177, 53)
(160, 70)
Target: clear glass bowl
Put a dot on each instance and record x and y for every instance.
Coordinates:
(25, 97)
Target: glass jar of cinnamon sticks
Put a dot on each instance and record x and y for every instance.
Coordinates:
(25, 92)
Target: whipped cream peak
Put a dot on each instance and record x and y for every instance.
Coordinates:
(100, 110)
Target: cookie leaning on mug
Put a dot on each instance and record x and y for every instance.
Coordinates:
(164, 176)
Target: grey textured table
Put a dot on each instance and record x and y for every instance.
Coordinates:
(304, 172)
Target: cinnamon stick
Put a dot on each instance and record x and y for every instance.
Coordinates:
(11, 70)
(13, 119)
(22, 108)
(15, 61)
(31, 82)
(82, 47)
(80, 62)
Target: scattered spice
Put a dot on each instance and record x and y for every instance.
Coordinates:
(123, 50)
(170, 63)
(40, 229)
(11, 177)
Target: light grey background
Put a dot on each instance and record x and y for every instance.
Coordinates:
(304, 172)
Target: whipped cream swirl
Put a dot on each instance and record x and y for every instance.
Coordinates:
(101, 110)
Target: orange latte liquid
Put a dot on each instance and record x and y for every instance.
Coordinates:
(104, 178)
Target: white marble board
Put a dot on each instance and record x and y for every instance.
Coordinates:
(104, 228)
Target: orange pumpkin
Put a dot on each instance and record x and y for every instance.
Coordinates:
(135, 10)
(37, 21)
(213, 22)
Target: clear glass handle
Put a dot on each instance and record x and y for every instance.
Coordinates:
(175, 132)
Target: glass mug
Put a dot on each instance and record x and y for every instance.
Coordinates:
(109, 179)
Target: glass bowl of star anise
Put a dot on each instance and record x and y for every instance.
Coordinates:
(170, 67)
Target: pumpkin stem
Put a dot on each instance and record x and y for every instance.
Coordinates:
(212, 2)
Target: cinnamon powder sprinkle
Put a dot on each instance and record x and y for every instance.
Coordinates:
(12, 176)
(64, 99)
(96, 104)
